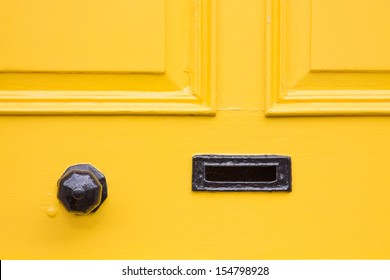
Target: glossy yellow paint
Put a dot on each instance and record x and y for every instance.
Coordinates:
(185, 84)
(307, 74)
(338, 209)
(335, 47)
(45, 35)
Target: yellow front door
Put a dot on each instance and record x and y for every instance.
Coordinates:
(137, 88)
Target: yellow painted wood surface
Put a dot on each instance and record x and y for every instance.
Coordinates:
(338, 209)
(74, 36)
(176, 77)
(311, 71)
(348, 36)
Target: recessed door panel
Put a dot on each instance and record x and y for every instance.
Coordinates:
(87, 36)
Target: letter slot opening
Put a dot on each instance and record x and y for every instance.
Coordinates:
(241, 173)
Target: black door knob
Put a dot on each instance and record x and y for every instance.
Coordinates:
(82, 189)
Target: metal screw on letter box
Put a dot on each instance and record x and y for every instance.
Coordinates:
(82, 189)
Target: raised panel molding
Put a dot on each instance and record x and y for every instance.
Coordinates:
(186, 87)
(293, 88)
